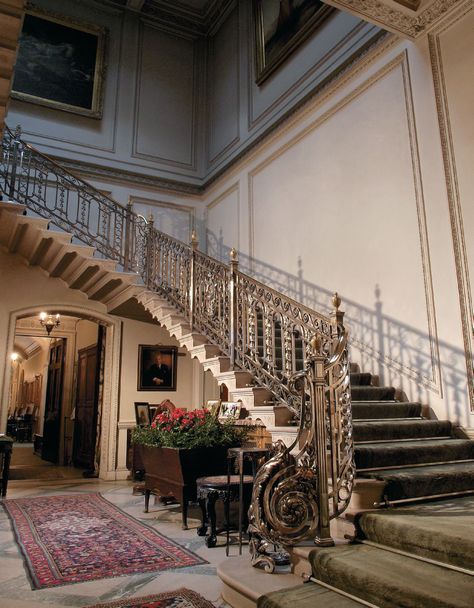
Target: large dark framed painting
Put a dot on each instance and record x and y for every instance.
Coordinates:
(280, 27)
(61, 63)
(157, 367)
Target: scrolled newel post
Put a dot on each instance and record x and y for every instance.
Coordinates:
(192, 277)
(14, 160)
(319, 433)
(128, 241)
(150, 252)
(234, 264)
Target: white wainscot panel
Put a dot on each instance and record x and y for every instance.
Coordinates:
(175, 220)
(223, 224)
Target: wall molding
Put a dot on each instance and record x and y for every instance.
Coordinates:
(191, 211)
(453, 194)
(432, 382)
(235, 187)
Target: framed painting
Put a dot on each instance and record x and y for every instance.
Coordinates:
(280, 27)
(157, 367)
(142, 413)
(60, 63)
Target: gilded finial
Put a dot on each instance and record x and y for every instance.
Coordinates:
(315, 343)
(150, 218)
(336, 301)
(193, 236)
(233, 254)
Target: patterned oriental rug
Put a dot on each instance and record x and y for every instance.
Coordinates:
(182, 598)
(83, 537)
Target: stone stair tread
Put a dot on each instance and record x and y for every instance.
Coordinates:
(377, 410)
(439, 530)
(400, 429)
(389, 580)
(412, 452)
(306, 596)
(429, 480)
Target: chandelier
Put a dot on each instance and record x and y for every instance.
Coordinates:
(49, 322)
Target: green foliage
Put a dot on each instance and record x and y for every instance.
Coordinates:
(194, 429)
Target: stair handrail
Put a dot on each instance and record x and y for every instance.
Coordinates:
(299, 355)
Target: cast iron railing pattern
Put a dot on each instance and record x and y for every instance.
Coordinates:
(298, 354)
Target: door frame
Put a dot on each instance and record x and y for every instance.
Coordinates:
(111, 387)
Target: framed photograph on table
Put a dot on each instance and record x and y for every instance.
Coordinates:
(230, 410)
(61, 63)
(280, 27)
(157, 367)
(142, 414)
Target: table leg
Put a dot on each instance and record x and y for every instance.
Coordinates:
(6, 468)
(184, 515)
(202, 530)
(211, 539)
(147, 500)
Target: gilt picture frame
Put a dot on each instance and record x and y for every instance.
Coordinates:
(61, 63)
(280, 27)
(157, 367)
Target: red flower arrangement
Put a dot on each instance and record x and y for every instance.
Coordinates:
(189, 429)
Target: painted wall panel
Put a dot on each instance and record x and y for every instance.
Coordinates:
(164, 108)
(223, 224)
(223, 86)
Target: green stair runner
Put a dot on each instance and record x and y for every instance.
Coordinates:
(387, 565)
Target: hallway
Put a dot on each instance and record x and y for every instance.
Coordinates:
(26, 465)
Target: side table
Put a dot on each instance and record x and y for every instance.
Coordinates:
(240, 455)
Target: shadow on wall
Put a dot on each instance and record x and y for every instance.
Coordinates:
(387, 347)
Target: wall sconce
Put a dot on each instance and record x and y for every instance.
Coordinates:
(49, 322)
(14, 357)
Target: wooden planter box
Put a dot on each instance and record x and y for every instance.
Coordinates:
(173, 472)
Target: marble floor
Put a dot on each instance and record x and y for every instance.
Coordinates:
(15, 589)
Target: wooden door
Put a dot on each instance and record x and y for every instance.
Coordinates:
(85, 423)
(52, 412)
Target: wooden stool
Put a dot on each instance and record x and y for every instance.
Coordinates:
(209, 489)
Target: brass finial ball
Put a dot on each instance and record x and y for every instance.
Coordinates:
(233, 254)
(336, 300)
(193, 236)
(315, 343)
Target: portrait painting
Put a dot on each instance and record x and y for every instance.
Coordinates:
(60, 63)
(280, 27)
(157, 367)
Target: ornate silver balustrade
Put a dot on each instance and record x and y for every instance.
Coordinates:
(298, 354)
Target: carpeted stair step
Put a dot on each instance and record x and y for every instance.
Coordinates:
(439, 530)
(361, 379)
(372, 393)
(429, 480)
(389, 580)
(388, 453)
(379, 430)
(366, 410)
(310, 595)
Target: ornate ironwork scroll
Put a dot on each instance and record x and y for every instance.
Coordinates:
(302, 487)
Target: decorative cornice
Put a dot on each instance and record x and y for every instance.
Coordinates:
(88, 170)
(397, 20)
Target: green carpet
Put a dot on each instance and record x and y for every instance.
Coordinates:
(424, 481)
(305, 596)
(440, 530)
(390, 580)
(377, 430)
(412, 452)
(372, 393)
(373, 410)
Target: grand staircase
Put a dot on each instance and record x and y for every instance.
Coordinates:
(409, 557)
